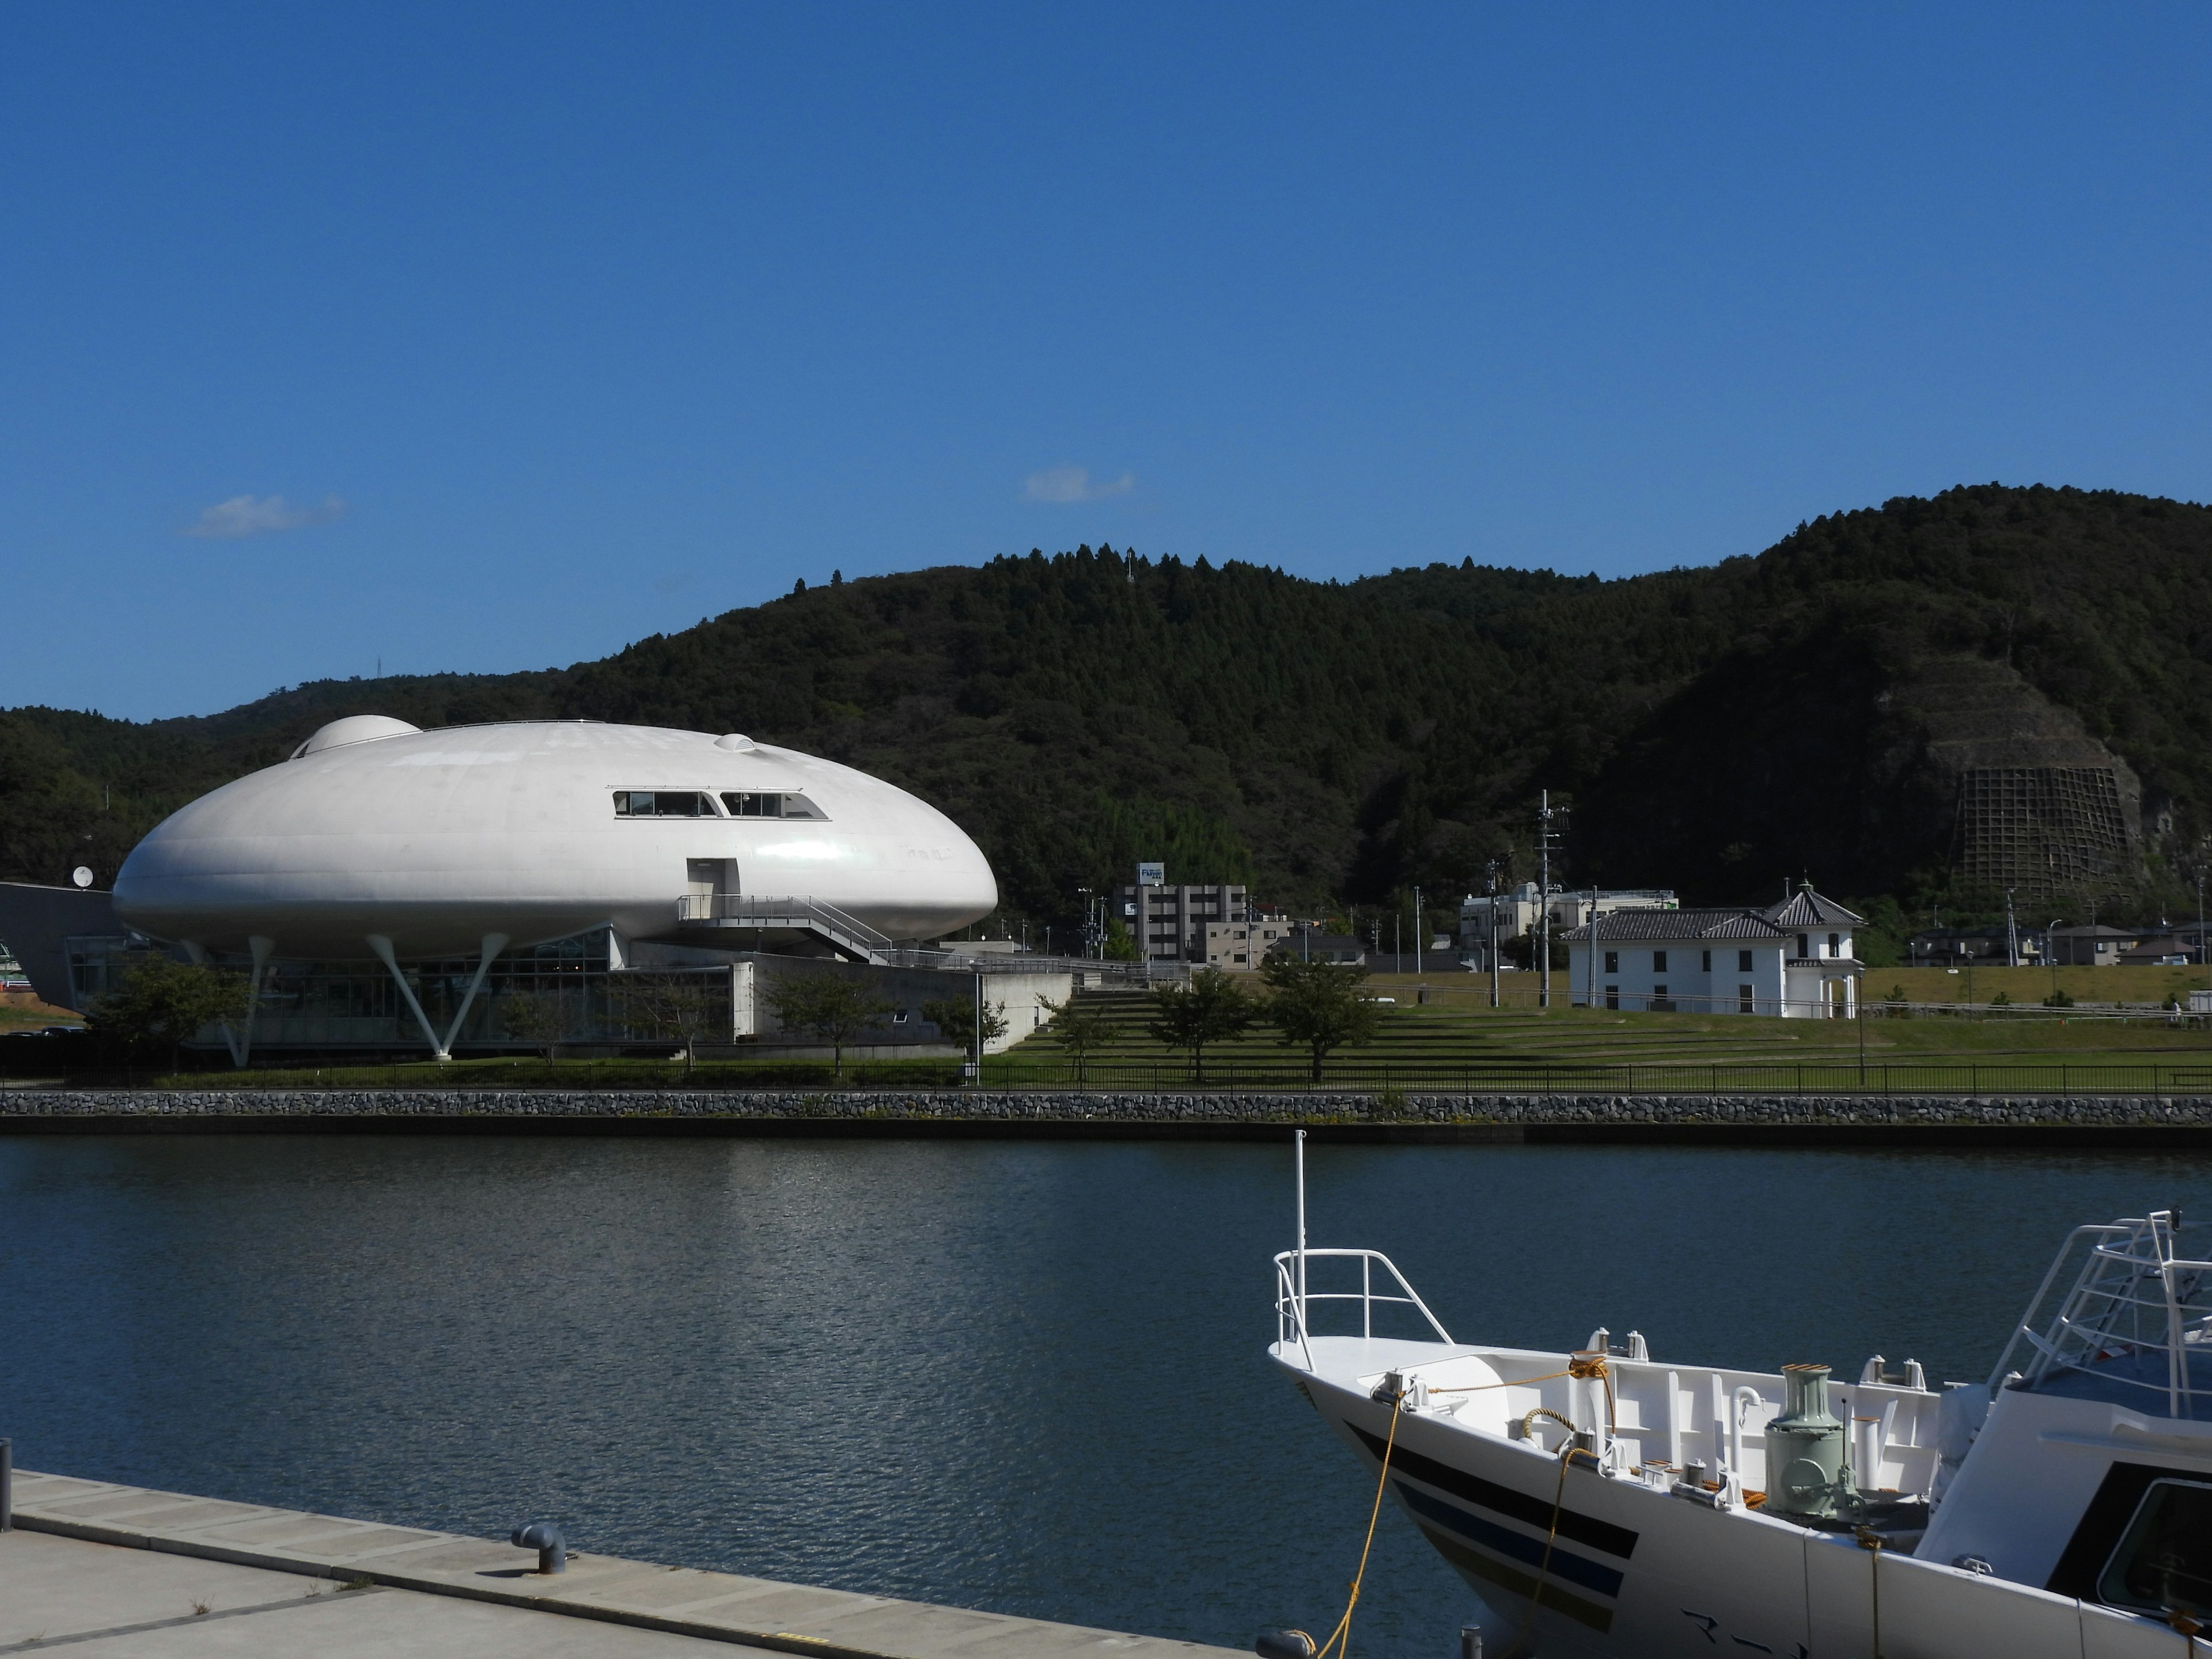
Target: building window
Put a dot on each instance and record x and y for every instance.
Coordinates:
(1743, 996)
(1705, 962)
(1804, 946)
(755, 805)
(1660, 1003)
(1613, 996)
(1612, 962)
(1835, 944)
(663, 804)
(1659, 964)
(1743, 961)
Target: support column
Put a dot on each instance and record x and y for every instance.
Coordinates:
(493, 944)
(262, 947)
(382, 946)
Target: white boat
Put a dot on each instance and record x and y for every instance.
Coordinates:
(1611, 1502)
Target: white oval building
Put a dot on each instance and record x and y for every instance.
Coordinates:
(379, 839)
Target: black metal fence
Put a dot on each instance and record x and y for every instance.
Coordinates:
(1178, 1075)
(1666, 1078)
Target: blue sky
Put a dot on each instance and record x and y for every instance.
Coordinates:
(477, 338)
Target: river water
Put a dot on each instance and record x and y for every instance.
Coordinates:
(1023, 1376)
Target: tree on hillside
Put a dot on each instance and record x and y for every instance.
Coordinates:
(162, 1003)
(1319, 1005)
(1208, 1007)
(1079, 1028)
(828, 1006)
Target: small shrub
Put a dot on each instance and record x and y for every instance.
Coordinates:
(2058, 999)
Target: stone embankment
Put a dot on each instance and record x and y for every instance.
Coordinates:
(979, 1110)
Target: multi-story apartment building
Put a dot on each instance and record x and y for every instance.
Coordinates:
(1169, 924)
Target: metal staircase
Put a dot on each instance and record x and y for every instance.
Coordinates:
(763, 914)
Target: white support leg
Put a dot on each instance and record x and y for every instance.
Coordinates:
(262, 947)
(382, 946)
(493, 944)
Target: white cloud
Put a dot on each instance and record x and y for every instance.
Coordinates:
(1074, 483)
(254, 515)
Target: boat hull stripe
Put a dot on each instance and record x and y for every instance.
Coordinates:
(1564, 1564)
(1558, 1597)
(1503, 1500)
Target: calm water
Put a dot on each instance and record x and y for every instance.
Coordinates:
(1023, 1377)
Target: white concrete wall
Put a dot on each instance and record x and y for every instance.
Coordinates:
(1693, 987)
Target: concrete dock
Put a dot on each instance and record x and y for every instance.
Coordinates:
(126, 1571)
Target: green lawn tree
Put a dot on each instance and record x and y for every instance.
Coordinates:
(680, 1009)
(955, 1017)
(1319, 1005)
(543, 1019)
(827, 1006)
(1208, 1007)
(161, 1003)
(1079, 1028)
(1120, 946)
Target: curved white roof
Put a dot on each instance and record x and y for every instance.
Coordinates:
(434, 839)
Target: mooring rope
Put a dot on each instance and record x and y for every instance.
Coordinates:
(1340, 1637)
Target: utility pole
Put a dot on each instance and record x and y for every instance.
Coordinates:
(2012, 934)
(2200, 915)
(1591, 1001)
(1490, 891)
(1544, 895)
(1420, 928)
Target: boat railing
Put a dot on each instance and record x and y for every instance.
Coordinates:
(2134, 1295)
(1294, 1295)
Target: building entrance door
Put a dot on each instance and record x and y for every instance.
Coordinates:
(706, 880)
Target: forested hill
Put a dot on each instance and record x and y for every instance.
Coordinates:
(1716, 729)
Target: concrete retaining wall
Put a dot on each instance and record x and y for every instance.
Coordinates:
(26, 1108)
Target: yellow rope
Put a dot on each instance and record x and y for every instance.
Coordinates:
(1551, 1535)
(1342, 1633)
(1871, 1542)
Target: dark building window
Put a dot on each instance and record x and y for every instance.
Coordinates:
(1743, 961)
(1743, 996)
(1835, 944)
(1706, 965)
(1612, 962)
(745, 804)
(1804, 945)
(1659, 964)
(1661, 1002)
(662, 804)
(1613, 996)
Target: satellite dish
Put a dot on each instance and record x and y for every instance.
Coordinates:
(82, 876)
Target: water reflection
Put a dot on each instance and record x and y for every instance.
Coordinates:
(1020, 1377)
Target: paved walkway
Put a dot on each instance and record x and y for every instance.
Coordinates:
(137, 1574)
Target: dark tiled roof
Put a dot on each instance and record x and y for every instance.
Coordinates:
(1806, 908)
(1676, 925)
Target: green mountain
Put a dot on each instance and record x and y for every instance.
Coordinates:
(1926, 700)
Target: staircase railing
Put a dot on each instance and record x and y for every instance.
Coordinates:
(797, 911)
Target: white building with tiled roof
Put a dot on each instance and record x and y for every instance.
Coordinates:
(1794, 960)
